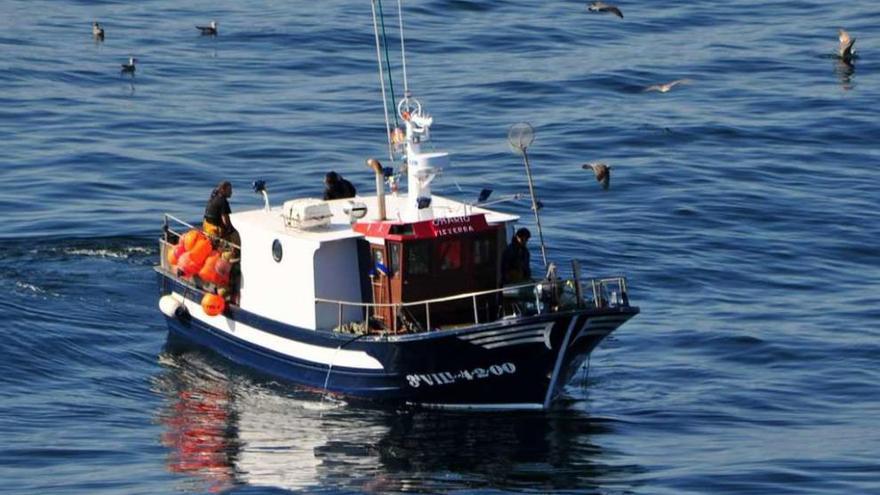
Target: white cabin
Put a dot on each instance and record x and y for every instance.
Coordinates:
(284, 268)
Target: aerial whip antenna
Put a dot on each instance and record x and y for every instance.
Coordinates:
(521, 136)
(382, 82)
(402, 48)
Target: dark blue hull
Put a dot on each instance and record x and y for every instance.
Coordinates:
(513, 363)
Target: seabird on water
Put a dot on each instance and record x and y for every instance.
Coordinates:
(664, 88)
(604, 7)
(209, 30)
(97, 31)
(602, 171)
(845, 51)
(129, 67)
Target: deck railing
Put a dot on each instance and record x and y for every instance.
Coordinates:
(172, 229)
(532, 298)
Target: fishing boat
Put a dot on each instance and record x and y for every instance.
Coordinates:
(396, 296)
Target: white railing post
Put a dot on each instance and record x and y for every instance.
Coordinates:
(537, 299)
(428, 316)
(476, 314)
(595, 293)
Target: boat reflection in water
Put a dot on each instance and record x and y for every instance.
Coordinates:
(225, 428)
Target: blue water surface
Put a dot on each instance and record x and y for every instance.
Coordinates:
(743, 209)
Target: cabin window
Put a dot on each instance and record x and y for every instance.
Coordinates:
(277, 252)
(450, 255)
(418, 261)
(482, 251)
(394, 254)
(379, 260)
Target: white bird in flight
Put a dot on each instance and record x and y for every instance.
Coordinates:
(604, 7)
(664, 88)
(845, 50)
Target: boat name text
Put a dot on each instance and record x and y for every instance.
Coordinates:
(452, 225)
(450, 377)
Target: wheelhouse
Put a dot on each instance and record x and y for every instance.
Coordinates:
(433, 259)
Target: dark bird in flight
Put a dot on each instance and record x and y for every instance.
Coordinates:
(602, 172)
(97, 31)
(209, 30)
(845, 50)
(604, 7)
(129, 67)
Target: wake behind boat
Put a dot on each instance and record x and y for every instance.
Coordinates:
(396, 297)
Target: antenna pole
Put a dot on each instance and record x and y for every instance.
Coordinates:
(382, 82)
(521, 137)
(535, 205)
(402, 48)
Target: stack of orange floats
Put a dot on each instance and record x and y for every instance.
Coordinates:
(194, 254)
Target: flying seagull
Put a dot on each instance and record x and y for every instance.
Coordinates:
(845, 51)
(664, 88)
(97, 31)
(129, 67)
(604, 7)
(210, 30)
(602, 171)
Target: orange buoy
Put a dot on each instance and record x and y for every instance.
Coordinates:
(171, 256)
(212, 304)
(200, 250)
(208, 273)
(221, 281)
(179, 248)
(191, 238)
(187, 265)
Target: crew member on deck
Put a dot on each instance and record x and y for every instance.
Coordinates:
(217, 222)
(515, 260)
(335, 187)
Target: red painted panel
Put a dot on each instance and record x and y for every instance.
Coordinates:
(426, 229)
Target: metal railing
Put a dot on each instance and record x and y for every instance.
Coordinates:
(169, 222)
(531, 298)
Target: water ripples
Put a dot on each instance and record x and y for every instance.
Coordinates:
(743, 209)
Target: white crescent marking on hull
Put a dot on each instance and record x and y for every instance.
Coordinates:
(300, 350)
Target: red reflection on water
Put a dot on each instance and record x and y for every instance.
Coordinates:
(197, 430)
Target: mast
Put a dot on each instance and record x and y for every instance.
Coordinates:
(382, 79)
(421, 168)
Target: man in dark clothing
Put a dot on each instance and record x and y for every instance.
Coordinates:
(515, 261)
(217, 211)
(335, 187)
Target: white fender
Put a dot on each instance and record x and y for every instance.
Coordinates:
(168, 305)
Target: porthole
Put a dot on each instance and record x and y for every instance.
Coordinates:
(276, 250)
